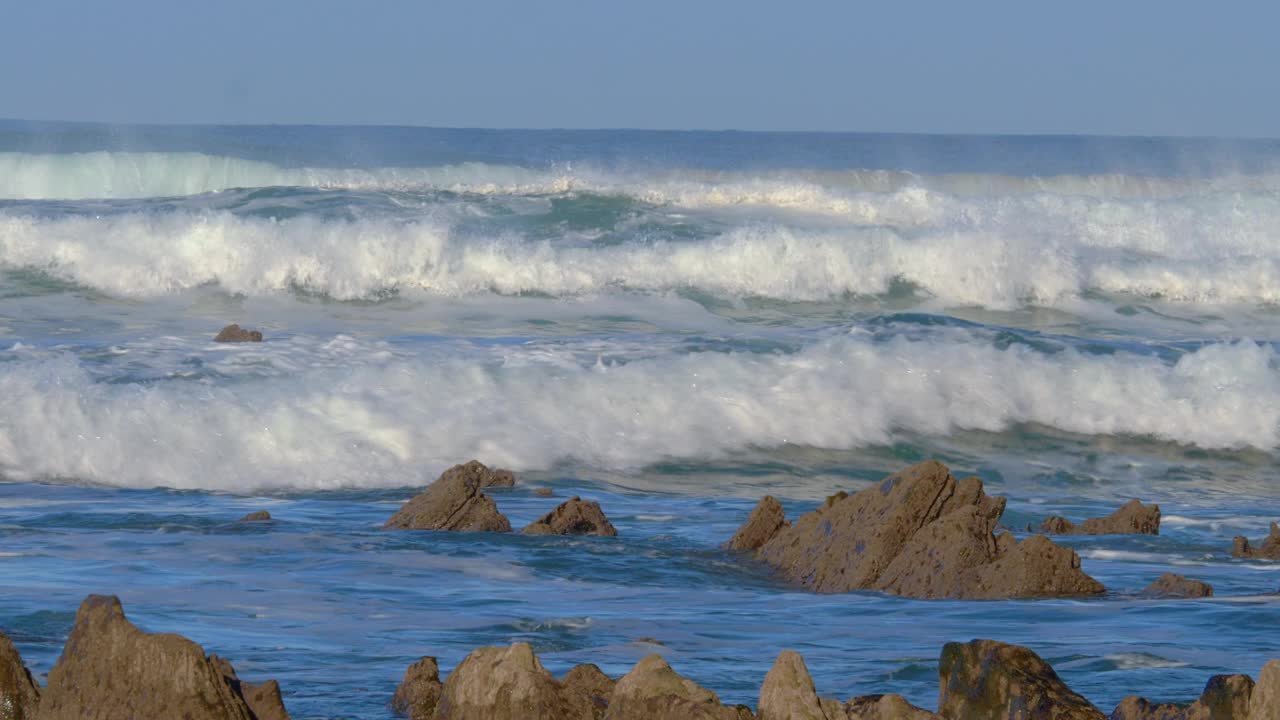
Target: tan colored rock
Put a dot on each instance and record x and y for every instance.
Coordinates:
(884, 707)
(1170, 585)
(921, 533)
(1264, 702)
(989, 680)
(256, 516)
(456, 501)
(544, 492)
(574, 516)
(1133, 518)
(788, 692)
(653, 691)
(1268, 549)
(19, 693)
(764, 522)
(592, 682)
(233, 333)
(495, 683)
(264, 699)
(419, 692)
(1225, 697)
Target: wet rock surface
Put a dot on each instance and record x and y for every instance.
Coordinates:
(256, 516)
(1170, 585)
(19, 693)
(765, 521)
(1267, 549)
(989, 680)
(233, 333)
(1132, 518)
(574, 516)
(419, 692)
(456, 501)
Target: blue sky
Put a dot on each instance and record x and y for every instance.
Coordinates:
(1143, 68)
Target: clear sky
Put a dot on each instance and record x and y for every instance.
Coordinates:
(1021, 66)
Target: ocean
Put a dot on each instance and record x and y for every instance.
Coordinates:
(672, 323)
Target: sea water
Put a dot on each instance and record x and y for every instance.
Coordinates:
(672, 323)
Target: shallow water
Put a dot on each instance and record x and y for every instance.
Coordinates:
(671, 323)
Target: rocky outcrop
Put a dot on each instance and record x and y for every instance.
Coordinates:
(1264, 702)
(989, 680)
(1268, 549)
(256, 516)
(110, 669)
(921, 533)
(495, 683)
(1170, 585)
(233, 333)
(419, 692)
(884, 707)
(456, 501)
(764, 522)
(574, 516)
(788, 694)
(264, 700)
(1133, 518)
(1225, 697)
(653, 691)
(590, 681)
(19, 693)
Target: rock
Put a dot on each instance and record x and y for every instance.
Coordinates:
(419, 691)
(788, 692)
(1268, 550)
(234, 333)
(764, 522)
(1133, 518)
(256, 516)
(110, 669)
(989, 680)
(544, 492)
(653, 691)
(19, 693)
(921, 533)
(884, 707)
(1264, 703)
(495, 683)
(594, 684)
(1225, 697)
(455, 502)
(1176, 586)
(574, 516)
(264, 700)
(1139, 708)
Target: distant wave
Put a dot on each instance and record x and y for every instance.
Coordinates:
(390, 421)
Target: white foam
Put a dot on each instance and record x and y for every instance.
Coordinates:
(1142, 661)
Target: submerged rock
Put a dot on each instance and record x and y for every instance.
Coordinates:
(989, 680)
(495, 683)
(1133, 518)
(653, 691)
(19, 693)
(921, 533)
(455, 501)
(256, 516)
(419, 692)
(1170, 585)
(1225, 697)
(765, 521)
(1269, 549)
(574, 516)
(110, 669)
(233, 333)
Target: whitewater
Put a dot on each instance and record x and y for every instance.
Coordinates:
(672, 323)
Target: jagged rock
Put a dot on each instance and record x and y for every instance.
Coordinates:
(922, 533)
(1264, 703)
(419, 692)
(496, 683)
(256, 516)
(1177, 586)
(764, 522)
(19, 693)
(455, 501)
(653, 691)
(884, 707)
(593, 683)
(234, 333)
(1139, 708)
(788, 692)
(1268, 550)
(110, 669)
(574, 516)
(264, 700)
(1225, 697)
(1133, 518)
(989, 680)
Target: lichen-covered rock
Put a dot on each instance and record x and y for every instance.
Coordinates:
(233, 333)
(1264, 702)
(1268, 549)
(989, 680)
(653, 691)
(419, 692)
(456, 501)
(496, 683)
(1133, 518)
(574, 516)
(256, 516)
(19, 693)
(921, 533)
(762, 524)
(593, 683)
(1170, 585)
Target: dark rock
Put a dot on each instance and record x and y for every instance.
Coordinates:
(110, 669)
(989, 680)
(1264, 703)
(922, 533)
(594, 684)
(234, 333)
(1177, 586)
(419, 692)
(1269, 549)
(256, 516)
(495, 683)
(1225, 697)
(1139, 708)
(884, 707)
(764, 522)
(19, 693)
(1133, 518)
(653, 691)
(574, 516)
(455, 501)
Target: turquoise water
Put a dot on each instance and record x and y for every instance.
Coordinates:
(671, 323)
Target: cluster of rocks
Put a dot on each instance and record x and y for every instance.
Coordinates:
(1267, 549)
(233, 333)
(1133, 518)
(977, 680)
(456, 501)
(110, 669)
